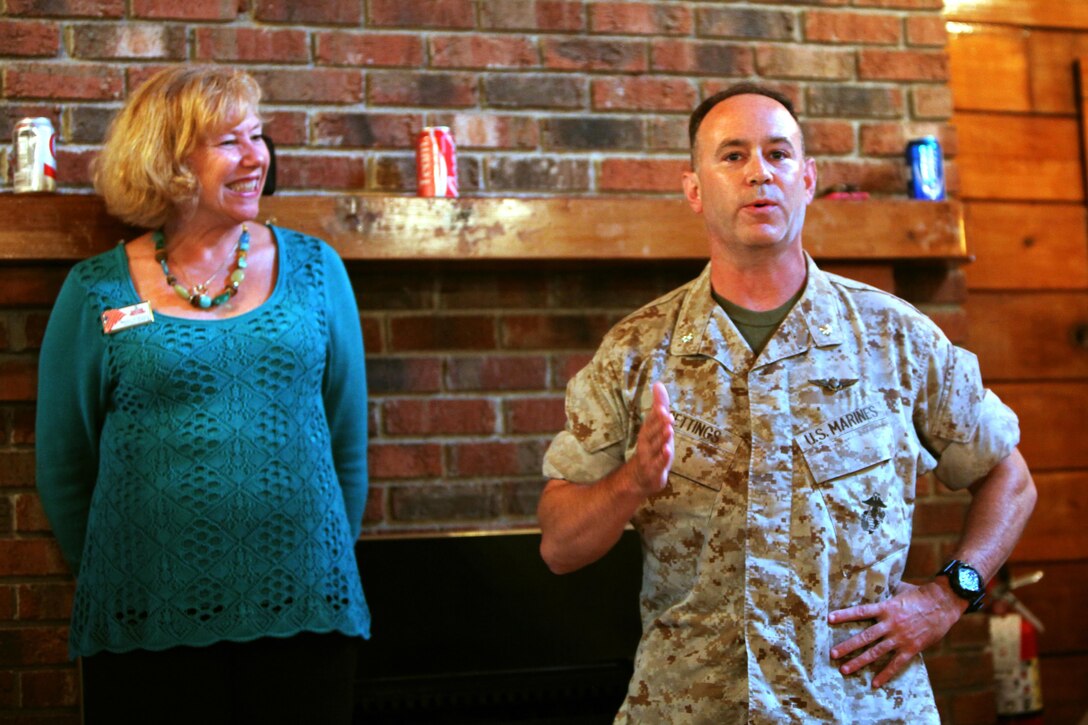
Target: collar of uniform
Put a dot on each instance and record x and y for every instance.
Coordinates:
(815, 321)
(702, 328)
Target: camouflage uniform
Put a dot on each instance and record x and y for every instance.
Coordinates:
(790, 495)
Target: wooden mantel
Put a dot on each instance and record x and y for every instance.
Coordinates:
(68, 227)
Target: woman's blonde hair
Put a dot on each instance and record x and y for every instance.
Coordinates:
(142, 170)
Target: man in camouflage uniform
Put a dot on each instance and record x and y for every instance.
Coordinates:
(773, 490)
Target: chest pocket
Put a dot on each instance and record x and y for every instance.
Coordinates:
(854, 475)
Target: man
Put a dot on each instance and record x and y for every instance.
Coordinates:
(762, 428)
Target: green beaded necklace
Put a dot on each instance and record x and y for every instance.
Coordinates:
(197, 295)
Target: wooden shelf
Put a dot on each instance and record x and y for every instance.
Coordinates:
(69, 227)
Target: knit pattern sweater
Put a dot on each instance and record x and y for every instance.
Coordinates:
(206, 479)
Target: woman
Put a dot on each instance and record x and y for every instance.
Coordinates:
(202, 431)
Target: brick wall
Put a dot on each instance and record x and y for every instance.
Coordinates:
(467, 364)
(544, 96)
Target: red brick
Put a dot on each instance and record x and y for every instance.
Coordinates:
(522, 90)
(287, 128)
(497, 373)
(438, 416)
(367, 130)
(404, 460)
(641, 174)
(942, 517)
(16, 468)
(712, 57)
(639, 18)
(375, 507)
(462, 332)
(396, 173)
(326, 12)
(446, 503)
(828, 137)
(29, 38)
(45, 601)
(29, 516)
(50, 688)
(22, 425)
(932, 102)
(31, 557)
(890, 139)
(491, 131)
(311, 85)
(67, 8)
(67, 81)
(551, 332)
(977, 707)
(7, 515)
(34, 646)
(34, 329)
(746, 23)
(8, 604)
(567, 366)
(393, 88)
(535, 415)
(251, 45)
(533, 15)
(598, 132)
(5, 337)
(590, 54)
(805, 61)
(667, 133)
(9, 690)
(490, 290)
(359, 49)
(544, 175)
(403, 375)
(644, 93)
(74, 167)
(422, 13)
(852, 28)
(848, 100)
(18, 378)
(520, 498)
(482, 51)
(792, 90)
(902, 65)
(926, 30)
(901, 4)
(880, 176)
(190, 10)
(128, 41)
(468, 460)
(313, 173)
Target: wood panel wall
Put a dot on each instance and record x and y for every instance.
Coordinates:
(1022, 175)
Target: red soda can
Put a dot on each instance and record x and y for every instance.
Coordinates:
(436, 162)
(35, 158)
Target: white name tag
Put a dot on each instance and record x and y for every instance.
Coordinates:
(125, 317)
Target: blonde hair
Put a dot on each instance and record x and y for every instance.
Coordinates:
(142, 170)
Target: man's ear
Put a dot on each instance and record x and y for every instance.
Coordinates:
(810, 177)
(692, 192)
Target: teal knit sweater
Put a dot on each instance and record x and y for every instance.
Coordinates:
(206, 479)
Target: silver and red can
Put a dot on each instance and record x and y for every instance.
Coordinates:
(926, 164)
(35, 156)
(436, 162)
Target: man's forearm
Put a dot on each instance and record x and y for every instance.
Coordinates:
(581, 522)
(1001, 503)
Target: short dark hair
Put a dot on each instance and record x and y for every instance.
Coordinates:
(739, 89)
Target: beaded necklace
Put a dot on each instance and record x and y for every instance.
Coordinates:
(197, 295)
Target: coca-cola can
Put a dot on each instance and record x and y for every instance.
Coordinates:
(35, 157)
(436, 162)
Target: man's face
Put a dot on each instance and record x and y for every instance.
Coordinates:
(751, 180)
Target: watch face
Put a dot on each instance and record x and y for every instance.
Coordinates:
(968, 579)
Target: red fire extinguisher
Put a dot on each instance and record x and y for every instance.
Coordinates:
(1014, 639)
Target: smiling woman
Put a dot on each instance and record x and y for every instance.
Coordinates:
(202, 417)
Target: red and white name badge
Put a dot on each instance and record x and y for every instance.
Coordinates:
(124, 317)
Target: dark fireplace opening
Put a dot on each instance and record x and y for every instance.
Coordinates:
(475, 629)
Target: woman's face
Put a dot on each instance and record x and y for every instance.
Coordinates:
(230, 167)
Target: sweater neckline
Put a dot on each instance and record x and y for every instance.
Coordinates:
(273, 298)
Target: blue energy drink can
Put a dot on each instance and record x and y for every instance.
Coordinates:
(926, 169)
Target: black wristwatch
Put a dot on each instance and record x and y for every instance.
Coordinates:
(966, 582)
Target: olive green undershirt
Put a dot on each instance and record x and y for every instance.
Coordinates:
(756, 327)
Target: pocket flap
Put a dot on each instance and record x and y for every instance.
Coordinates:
(832, 456)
